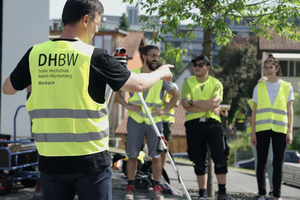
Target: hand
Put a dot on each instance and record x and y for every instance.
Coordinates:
(158, 111)
(133, 107)
(289, 138)
(217, 110)
(253, 139)
(185, 102)
(165, 72)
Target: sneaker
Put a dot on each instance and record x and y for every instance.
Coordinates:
(262, 198)
(222, 196)
(202, 193)
(271, 193)
(157, 193)
(129, 192)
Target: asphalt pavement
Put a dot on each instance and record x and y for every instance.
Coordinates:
(237, 181)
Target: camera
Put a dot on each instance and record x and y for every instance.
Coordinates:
(120, 55)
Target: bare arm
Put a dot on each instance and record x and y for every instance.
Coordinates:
(175, 98)
(7, 87)
(253, 135)
(290, 115)
(144, 81)
(127, 106)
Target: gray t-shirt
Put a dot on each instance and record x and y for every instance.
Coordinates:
(273, 89)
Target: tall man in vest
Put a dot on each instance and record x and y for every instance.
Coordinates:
(139, 124)
(201, 96)
(67, 105)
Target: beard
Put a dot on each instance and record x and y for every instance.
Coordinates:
(150, 66)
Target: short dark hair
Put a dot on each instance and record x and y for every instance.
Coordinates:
(271, 59)
(74, 10)
(145, 50)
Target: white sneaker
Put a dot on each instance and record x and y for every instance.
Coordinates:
(262, 198)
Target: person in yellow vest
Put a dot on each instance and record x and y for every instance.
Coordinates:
(248, 115)
(168, 120)
(139, 124)
(67, 104)
(201, 95)
(272, 119)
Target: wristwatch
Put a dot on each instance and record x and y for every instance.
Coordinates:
(191, 102)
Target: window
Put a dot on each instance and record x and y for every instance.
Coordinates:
(98, 42)
(290, 68)
(107, 43)
(284, 67)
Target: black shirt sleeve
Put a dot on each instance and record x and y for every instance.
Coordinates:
(105, 69)
(20, 78)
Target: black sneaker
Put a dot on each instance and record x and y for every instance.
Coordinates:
(271, 193)
(202, 193)
(222, 196)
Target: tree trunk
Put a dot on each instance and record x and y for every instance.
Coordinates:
(207, 50)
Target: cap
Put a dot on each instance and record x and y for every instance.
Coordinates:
(202, 58)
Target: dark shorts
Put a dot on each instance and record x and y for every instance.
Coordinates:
(201, 134)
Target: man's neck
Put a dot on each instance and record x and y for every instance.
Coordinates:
(145, 69)
(71, 32)
(203, 78)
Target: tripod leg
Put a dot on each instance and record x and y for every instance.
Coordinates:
(163, 144)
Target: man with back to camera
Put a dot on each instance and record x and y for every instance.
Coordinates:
(67, 104)
(139, 124)
(201, 96)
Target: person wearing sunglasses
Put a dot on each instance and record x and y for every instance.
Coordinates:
(201, 96)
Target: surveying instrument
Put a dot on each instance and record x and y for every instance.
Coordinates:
(120, 55)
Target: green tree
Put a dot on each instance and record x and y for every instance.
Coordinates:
(265, 17)
(124, 23)
(240, 73)
(169, 56)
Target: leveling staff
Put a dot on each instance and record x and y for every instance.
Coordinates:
(70, 119)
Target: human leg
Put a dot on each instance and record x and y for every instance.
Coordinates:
(270, 167)
(197, 151)
(263, 142)
(95, 185)
(134, 143)
(167, 131)
(56, 182)
(217, 146)
(279, 146)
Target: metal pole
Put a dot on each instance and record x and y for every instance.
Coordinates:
(163, 144)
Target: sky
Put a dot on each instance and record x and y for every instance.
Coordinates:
(111, 7)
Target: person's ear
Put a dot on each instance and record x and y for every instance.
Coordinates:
(85, 20)
(144, 56)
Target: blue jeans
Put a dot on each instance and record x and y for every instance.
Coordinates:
(88, 186)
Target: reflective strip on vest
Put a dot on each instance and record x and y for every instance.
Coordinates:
(198, 94)
(152, 100)
(270, 116)
(65, 120)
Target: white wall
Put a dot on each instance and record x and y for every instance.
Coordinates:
(25, 23)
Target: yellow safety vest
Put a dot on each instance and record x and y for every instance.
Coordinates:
(152, 100)
(170, 115)
(66, 121)
(198, 94)
(270, 116)
(249, 129)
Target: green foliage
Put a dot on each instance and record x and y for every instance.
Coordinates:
(172, 56)
(267, 18)
(296, 142)
(124, 23)
(241, 143)
(296, 102)
(240, 73)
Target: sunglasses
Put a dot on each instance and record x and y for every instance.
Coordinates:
(199, 65)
